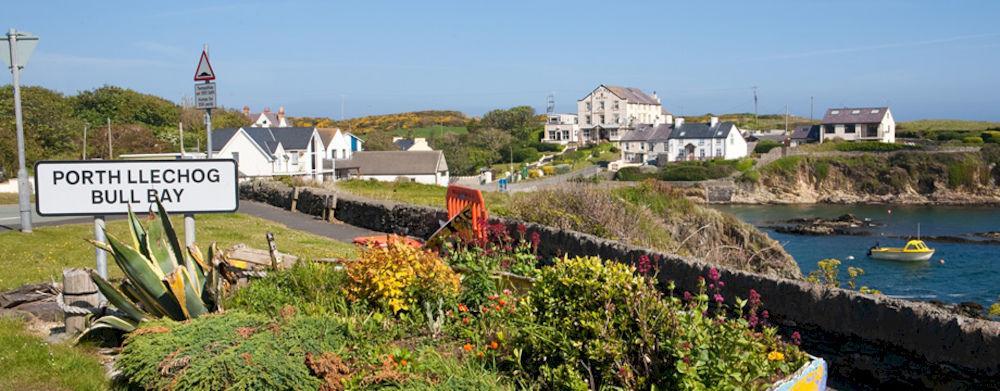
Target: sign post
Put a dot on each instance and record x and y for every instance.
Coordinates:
(109, 187)
(19, 52)
(205, 98)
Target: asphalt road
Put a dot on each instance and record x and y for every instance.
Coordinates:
(10, 220)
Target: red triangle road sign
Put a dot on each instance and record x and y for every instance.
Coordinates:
(204, 71)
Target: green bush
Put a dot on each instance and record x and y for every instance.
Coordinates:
(563, 168)
(786, 165)
(750, 176)
(991, 136)
(695, 171)
(765, 146)
(547, 147)
(872, 146)
(526, 155)
(600, 319)
(631, 174)
(962, 174)
(313, 289)
(821, 169)
(972, 140)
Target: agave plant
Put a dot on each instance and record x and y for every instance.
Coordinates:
(162, 278)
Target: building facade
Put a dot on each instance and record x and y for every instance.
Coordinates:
(608, 112)
(266, 152)
(680, 141)
(339, 144)
(562, 129)
(427, 167)
(858, 124)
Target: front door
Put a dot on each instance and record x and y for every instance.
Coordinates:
(689, 152)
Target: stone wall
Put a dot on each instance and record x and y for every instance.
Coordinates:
(868, 339)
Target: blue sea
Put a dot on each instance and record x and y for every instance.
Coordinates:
(970, 272)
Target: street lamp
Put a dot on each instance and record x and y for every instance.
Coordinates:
(19, 47)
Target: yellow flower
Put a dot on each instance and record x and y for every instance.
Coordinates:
(776, 356)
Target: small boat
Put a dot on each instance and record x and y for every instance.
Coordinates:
(915, 250)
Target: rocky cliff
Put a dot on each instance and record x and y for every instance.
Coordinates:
(900, 178)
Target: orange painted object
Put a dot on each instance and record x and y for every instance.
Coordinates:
(458, 198)
(384, 240)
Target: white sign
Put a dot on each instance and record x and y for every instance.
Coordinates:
(204, 71)
(94, 188)
(204, 95)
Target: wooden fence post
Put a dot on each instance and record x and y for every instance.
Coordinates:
(78, 291)
(295, 198)
(272, 248)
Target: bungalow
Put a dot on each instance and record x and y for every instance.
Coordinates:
(427, 167)
(859, 123)
(263, 152)
(267, 119)
(804, 134)
(681, 142)
(339, 144)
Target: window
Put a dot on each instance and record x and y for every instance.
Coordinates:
(565, 135)
(834, 112)
(828, 129)
(718, 152)
(236, 157)
(875, 111)
(588, 106)
(850, 128)
(587, 120)
(553, 135)
(616, 105)
(701, 152)
(701, 143)
(731, 140)
(642, 146)
(855, 111)
(600, 105)
(618, 119)
(295, 158)
(602, 119)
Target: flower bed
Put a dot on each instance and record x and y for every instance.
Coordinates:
(400, 317)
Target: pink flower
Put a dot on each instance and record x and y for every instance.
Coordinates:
(764, 314)
(718, 298)
(711, 286)
(752, 320)
(796, 338)
(521, 229)
(754, 298)
(713, 274)
(536, 239)
(644, 264)
(687, 296)
(722, 284)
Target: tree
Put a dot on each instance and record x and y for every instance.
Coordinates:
(380, 141)
(50, 129)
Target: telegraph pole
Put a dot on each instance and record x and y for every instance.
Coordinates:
(24, 50)
(85, 125)
(786, 119)
(111, 154)
(755, 122)
(810, 108)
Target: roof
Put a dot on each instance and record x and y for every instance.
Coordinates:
(326, 134)
(696, 130)
(272, 118)
(631, 94)
(268, 139)
(806, 132)
(404, 143)
(396, 162)
(855, 115)
(644, 132)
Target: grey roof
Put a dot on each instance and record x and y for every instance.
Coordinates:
(692, 131)
(806, 132)
(271, 117)
(404, 144)
(847, 115)
(396, 162)
(268, 139)
(645, 132)
(633, 95)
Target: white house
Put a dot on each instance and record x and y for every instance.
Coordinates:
(610, 111)
(427, 167)
(859, 123)
(682, 141)
(267, 119)
(414, 144)
(339, 144)
(263, 152)
(561, 129)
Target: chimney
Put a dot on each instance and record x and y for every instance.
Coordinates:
(714, 121)
(656, 97)
(267, 109)
(669, 118)
(246, 111)
(678, 122)
(281, 114)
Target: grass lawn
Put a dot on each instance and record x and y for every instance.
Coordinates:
(947, 124)
(428, 131)
(410, 193)
(42, 255)
(11, 198)
(28, 363)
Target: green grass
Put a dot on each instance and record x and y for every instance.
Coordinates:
(28, 363)
(11, 198)
(947, 124)
(410, 193)
(430, 131)
(42, 255)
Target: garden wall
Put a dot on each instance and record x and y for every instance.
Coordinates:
(867, 339)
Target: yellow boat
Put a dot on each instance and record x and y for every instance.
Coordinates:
(915, 250)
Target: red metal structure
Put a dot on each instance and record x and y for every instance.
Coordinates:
(458, 198)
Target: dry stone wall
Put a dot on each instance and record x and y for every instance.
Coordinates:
(869, 339)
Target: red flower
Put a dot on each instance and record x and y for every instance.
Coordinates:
(713, 274)
(718, 298)
(796, 338)
(644, 264)
(687, 296)
(521, 229)
(536, 238)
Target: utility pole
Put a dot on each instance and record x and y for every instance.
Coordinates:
(23, 185)
(111, 153)
(810, 108)
(180, 127)
(786, 119)
(85, 125)
(755, 122)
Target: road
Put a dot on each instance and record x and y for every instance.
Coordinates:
(10, 220)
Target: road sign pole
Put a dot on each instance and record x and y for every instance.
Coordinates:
(189, 229)
(208, 133)
(102, 256)
(23, 186)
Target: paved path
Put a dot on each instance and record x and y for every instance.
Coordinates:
(9, 220)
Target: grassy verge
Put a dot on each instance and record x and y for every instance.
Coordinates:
(28, 363)
(11, 198)
(41, 255)
(410, 193)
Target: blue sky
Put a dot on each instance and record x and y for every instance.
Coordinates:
(926, 59)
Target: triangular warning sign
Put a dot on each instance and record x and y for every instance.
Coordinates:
(204, 71)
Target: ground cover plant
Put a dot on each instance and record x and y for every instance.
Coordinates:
(584, 323)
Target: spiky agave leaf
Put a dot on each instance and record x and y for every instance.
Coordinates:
(135, 229)
(159, 250)
(180, 283)
(146, 277)
(117, 298)
(199, 267)
(171, 234)
(108, 322)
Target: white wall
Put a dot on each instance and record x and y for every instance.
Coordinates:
(252, 161)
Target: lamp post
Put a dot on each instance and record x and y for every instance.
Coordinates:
(19, 47)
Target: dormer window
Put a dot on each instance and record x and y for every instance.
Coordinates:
(834, 112)
(856, 112)
(875, 111)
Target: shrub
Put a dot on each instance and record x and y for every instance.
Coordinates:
(600, 319)
(694, 171)
(563, 168)
(631, 174)
(398, 277)
(526, 155)
(547, 147)
(751, 176)
(962, 174)
(821, 169)
(872, 146)
(548, 170)
(991, 136)
(765, 146)
(786, 165)
(972, 140)
(312, 288)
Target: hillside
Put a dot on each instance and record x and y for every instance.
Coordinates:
(763, 121)
(900, 177)
(388, 122)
